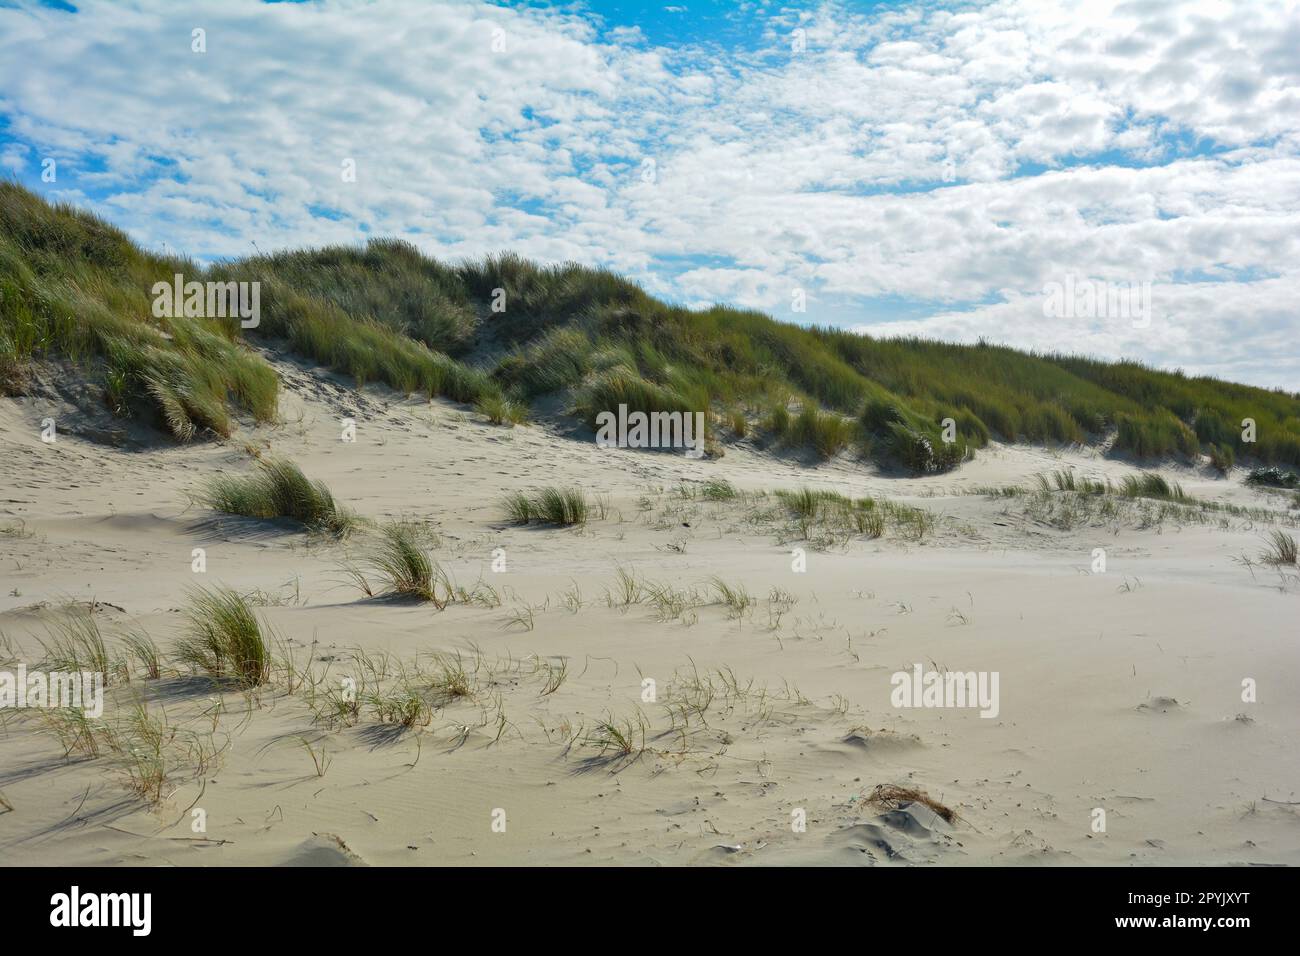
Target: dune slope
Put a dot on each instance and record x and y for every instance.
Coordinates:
(538, 741)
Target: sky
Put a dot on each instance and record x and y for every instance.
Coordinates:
(933, 168)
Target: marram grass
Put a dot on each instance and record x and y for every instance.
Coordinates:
(278, 489)
(500, 410)
(224, 638)
(400, 560)
(74, 287)
(558, 506)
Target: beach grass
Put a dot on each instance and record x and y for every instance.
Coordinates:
(557, 506)
(278, 489)
(1280, 549)
(224, 638)
(74, 288)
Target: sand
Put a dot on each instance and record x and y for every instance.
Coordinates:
(1119, 691)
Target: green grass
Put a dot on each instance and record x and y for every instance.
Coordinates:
(622, 386)
(717, 489)
(362, 347)
(909, 522)
(224, 638)
(902, 436)
(619, 736)
(278, 489)
(778, 420)
(402, 707)
(1145, 485)
(1069, 481)
(806, 503)
(1152, 486)
(539, 297)
(450, 679)
(734, 597)
(401, 560)
(832, 512)
(75, 643)
(1155, 436)
(559, 506)
(141, 649)
(78, 733)
(500, 410)
(1281, 549)
(826, 433)
(628, 589)
(72, 286)
(1273, 478)
(143, 746)
(559, 359)
(1222, 458)
(386, 281)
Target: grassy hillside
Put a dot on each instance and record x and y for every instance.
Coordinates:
(73, 286)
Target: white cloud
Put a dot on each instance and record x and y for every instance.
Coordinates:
(884, 160)
(14, 157)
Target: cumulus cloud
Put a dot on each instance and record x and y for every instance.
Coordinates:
(955, 160)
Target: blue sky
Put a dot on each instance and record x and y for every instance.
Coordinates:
(906, 168)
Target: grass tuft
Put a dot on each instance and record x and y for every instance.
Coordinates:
(1281, 549)
(278, 489)
(224, 638)
(1273, 478)
(404, 564)
(1151, 485)
(500, 410)
(735, 598)
(558, 506)
(77, 644)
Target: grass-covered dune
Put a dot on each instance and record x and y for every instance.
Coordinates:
(73, 286)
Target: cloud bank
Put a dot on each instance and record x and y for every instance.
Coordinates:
(919, 170)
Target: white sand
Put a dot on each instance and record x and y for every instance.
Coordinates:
(1083, 661)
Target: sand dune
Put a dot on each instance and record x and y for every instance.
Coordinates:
(1119, 691)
